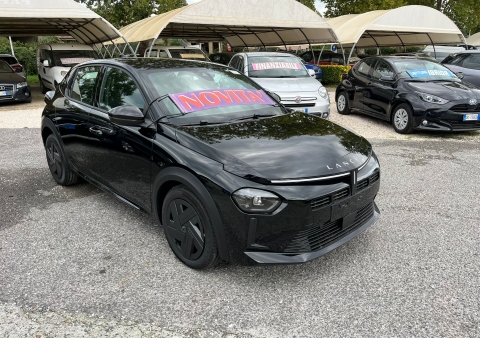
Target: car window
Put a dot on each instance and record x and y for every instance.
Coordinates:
(234, 61)
(472, 61)
(119, 89)
(189, 54)
(307, 56)
(365, 66)
(5, 68)
(383, 69)
(163, 54)
(84, 84)
(9, 59)
(240, 63)
(453, 59)
(276, 66)
(70, 58)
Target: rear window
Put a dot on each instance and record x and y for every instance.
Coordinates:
(9, 59)
(70, 58)
(189, 54)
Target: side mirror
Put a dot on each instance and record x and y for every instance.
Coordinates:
(311, 72)
(46, 63)
(49, 96)
(126, 116)
(460, 75)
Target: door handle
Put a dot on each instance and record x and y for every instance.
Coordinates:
(95, 131)
(369, 84)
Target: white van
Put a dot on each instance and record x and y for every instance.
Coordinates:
(441, 52)
(177, 52)
(55, 60)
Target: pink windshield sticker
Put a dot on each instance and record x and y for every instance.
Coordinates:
(275, 65)
(71, 61)
(190, 102)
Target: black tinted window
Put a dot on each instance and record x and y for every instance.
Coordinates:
(83, 85)
(9, 59)
(383, 69)
(364, 66)
(307, 56)
(472, 61)
(453, 59)
(119, 89)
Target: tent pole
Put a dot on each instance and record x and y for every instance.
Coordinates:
(11, 46)
(320, 55)
(434, 51)
(350, 54)
(343, 53)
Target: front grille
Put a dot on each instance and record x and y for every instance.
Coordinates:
(465, 108)
(300, 105)
(6, 88)
(465, 125)
(321, 236)
(368, 181)
(319, 202)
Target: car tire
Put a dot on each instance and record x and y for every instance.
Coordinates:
(188, 229)
(58, 164)
(43, 89)
(402, 119)
(343, 106)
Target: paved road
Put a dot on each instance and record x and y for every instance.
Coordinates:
(76, 262)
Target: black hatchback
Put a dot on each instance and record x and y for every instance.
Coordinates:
(412, 93)
(226, 169)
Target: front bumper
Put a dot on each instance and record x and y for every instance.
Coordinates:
(15, 94)
(319, 108)
(447, 117)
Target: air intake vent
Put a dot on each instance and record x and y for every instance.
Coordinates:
(320, 202)
(340, 194)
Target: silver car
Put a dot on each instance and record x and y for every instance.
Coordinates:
(286, 76)
(466, 64)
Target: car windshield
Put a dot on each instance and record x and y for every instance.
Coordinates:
(424, 70)
(5, 68)
(189, 54)
(276, 66)
(212, 94)
(70, 58)
(9, 59)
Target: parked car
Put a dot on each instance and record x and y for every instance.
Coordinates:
(227, 171)
(441, 52)
(466, 64)
(13, 87)
(285, 75)
(13, 62)
(322, 57)
(177, 52)
(416, 54)
(55, 60)
(223, 58)
(412, 93)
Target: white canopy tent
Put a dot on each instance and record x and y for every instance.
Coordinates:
(474, 40)
(249, 23)
(404, 26)
(22, 18)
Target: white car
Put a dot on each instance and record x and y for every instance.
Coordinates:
(55, 60)
(177, 52)
(285, 75)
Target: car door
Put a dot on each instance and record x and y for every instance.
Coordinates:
(380, 90)
(360, 79)
(120, 155)
(72, 114)
(470, 67)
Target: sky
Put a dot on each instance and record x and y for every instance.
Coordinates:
(318, 4)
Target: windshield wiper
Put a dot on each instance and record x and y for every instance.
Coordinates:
(254, 116)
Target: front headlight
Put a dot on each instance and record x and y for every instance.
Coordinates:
(256, 201)
(323, 92)
(21, 85)
(431, 98)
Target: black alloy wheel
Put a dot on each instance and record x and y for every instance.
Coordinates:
(58, 165)
(43, 89)
(188, 228)
(342, 104)
(402, 119)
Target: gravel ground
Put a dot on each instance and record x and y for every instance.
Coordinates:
(75, 261)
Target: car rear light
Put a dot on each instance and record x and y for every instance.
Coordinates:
(17, 67)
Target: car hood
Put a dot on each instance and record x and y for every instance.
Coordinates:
(451, 91)
(13, 78)
(289, 146)
(289, 85)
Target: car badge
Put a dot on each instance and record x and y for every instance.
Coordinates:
(472, 102)
(298, 99)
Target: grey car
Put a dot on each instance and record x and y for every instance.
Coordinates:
(285, 75)
(465, 63)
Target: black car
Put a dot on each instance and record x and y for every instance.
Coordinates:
(465, 63)
(410, 92)
(227, 170)
(223, 58)
(13, 87)
(325, 57)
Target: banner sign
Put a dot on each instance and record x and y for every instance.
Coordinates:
(429, 72)
(190, 102)
(71, 61)
(276, 65)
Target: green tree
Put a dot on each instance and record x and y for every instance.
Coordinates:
(309, 3)
(121, 13)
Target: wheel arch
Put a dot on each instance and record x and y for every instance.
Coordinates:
(395, 104)
(174, 176)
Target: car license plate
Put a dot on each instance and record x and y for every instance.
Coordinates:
(470, 117)
(3, 93)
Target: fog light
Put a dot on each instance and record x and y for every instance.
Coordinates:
(325, 115)
(424, 122)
